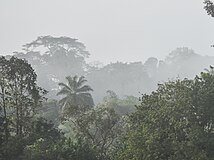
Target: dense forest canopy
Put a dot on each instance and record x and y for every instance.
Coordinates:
(65, 56)
(56, 106)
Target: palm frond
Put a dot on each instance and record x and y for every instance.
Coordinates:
(70, 82)
(62, 102)
(85, 88)
(63, 91)
(81, 81)
(64, 85)
(75, 80)
(85, 95)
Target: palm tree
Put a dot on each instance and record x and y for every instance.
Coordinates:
(76, 94)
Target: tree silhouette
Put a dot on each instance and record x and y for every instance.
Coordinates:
(76, 95)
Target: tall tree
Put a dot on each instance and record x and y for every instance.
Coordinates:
(98, 127)
(3, 95)
(20, 95)
(55, 57)
(76, 95)
(63, 54)
(174, 122)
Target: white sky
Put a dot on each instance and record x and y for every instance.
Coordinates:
(124, 30)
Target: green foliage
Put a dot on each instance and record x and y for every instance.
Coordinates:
(203, 100)
(63, 150)
(122, 106)
(19, 95)
(50, 110)
(98, 128)
(19, 98)
(12, 148)
(41, 128)
(77, 96)
(174, 122)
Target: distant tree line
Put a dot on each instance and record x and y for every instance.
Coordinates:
(54, 58)
(173, 120)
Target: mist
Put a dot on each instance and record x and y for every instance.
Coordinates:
(106, 80)
(121, 30)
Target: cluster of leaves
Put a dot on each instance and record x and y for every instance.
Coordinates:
(19, 95)
(14, 146)
(48, 143)
(45, 142)
(174, 122)
(97, 127)
(121, 106)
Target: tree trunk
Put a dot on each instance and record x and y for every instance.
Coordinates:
(5, 113)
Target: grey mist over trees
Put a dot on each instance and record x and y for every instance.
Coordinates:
(112, 30)
(55, 105)
(57, 57)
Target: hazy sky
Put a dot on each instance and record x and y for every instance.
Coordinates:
(124, 30)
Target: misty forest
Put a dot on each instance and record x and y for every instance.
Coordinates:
(55, 105)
